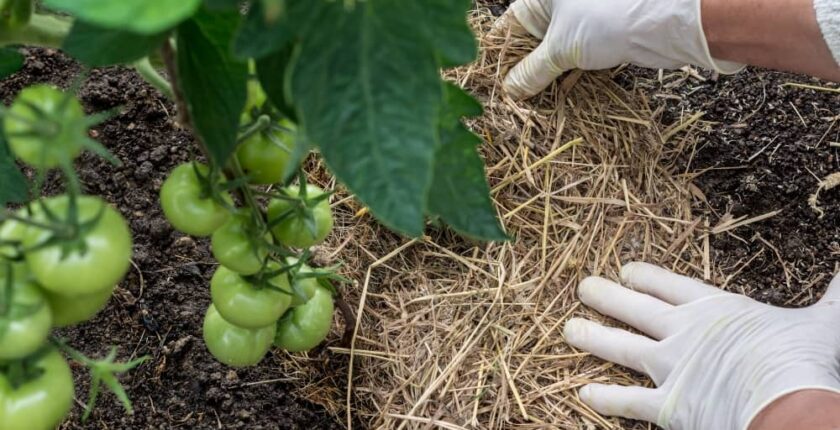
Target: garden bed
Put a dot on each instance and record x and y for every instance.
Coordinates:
(602, 169)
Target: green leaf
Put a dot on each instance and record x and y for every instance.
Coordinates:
(10, 62)
(14, 187)
(213, 81)
(222, 4)
(139, 16)
(258, 36)
(98, 46)
(460, 194)
(368, 92)
(272, 72)
(450, 32)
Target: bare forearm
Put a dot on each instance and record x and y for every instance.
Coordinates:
(806, 409)
(777, 34)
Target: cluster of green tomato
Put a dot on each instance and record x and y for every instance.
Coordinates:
(60, 259)
(261, 294)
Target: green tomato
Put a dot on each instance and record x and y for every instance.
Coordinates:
(245, 305)
(235, 346)
(264, 159)
(40, 403)
(256, 95)
(96, 260)
(27, 324)
(307, 325)
(12, 232)
(293, 230)
(234, 247)
(71, 310)
(184, 205)
(303, 288)
(50, 140)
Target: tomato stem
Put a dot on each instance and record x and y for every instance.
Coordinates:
(261, 124)
(43, 30)
(145, 69)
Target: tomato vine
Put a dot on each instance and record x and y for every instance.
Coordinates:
(263, 87)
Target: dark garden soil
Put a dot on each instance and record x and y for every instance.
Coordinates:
(766, 148)
(158, 309)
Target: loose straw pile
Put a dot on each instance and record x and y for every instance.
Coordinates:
(460, 335)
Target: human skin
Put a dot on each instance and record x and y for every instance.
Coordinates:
(778, 34)
(806, 409)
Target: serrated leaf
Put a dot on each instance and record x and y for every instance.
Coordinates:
(10, 62)
(99, 46)
(272, 74)
(213, 81)
(449, 31)
(14, 188)
(460, 194)
(368, 93)
(258, 36)
(138, 16)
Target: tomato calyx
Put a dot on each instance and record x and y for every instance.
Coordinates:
(213, 186)
(61, 124)
(8, 309)
(102, 372)
(301, 206)
(21, 371)
(69, 233)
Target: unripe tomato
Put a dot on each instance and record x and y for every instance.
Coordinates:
(256, 96)
(27, 322)
(307, 325)
(184, 205)
(245, 305)
(234, 247)
(45, 142)
(96, 260)
(264, 160)
(302, 286)
(293, 231)
(11, 231)
(40, 403)
(71, 310)
(233, 345)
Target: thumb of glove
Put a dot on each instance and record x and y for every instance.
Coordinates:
(534, 73)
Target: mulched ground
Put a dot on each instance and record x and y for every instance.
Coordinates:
(766, 148)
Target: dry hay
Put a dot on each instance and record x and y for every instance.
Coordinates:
(456, 335)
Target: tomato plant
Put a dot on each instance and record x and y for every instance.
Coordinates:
(188, 203)
(26, 320)
(307, 325)
(249, 304)
(39, 401)
(43, 126)
(86, 259)
(265, 90)
(233, 345)
(301, 221)
(74, 309)
(236, 249)
(265, 155)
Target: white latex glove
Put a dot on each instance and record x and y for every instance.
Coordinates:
(717, 358)
(592, 35)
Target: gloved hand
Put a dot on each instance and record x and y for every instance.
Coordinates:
(592, 35)
(717, 358)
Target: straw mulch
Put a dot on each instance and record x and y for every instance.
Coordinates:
(460, 335)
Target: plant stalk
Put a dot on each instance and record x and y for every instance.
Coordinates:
(147, 71)
(43, 30)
